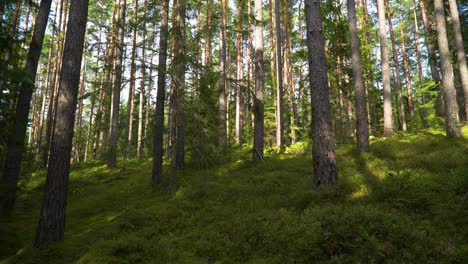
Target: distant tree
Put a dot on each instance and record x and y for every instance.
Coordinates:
(362, 134)
(323, 150)
(52, 218)
(387, 92)
(116, 85)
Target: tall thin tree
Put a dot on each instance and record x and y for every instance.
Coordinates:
(52, 218)
(160, 97)
(16, 138)
(448, 87)
(259, 83)
(323, 150)
(362, 128)
(387, 92)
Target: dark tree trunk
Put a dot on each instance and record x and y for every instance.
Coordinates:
(259, 84)
(323, 151)
(52, 218)
(16, 138)
(115, 106)
(362, 128)
(452, 127)
(160, 97)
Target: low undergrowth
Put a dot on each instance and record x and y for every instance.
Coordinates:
(406, 201)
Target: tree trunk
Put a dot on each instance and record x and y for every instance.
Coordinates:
(79, 114)
(239, 96)
(460, 51)
(430, 42)
(208, 34)
(279, 78)
(142, 94)
(259, 84)
(222, 78)
(131, 91)
(117, 83)
(160, 97)
(387, 92)
(452, 127)
(409, 88)
(52, 218)
(16, 139)
(362, 134)
(323, 152)
(397, 69)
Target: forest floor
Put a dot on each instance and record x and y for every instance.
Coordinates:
(404, 202)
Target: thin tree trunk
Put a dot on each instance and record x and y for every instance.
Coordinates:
(142, 94)
(397, 69)
(208, 34)
(93, 98)
(239, 96)
(79, 113)
(279, 78)
(323, 152)
(117, 85)
(131, 91)
(460, 51)
(452, 127)
(409, 88)
(430, 42)
(387, 92)
(259, 84)
(362, 128)
(222, 78)
(51, 224)
(16, 139)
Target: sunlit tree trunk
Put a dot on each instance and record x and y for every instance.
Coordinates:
(279, 78)
(448, 88)
(259, 83)
(387, 92)
(461, 57)
(239, 95)
(222, 78)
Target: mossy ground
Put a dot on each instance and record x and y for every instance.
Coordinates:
(404, 202)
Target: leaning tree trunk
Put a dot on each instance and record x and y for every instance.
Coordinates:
(430, 42)
(323, 150)
(16, 139)
(448, 88)
(52, 218)
(387, 92)
(362, 128)
(460, 51)
(259, 84)
(115, 106)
